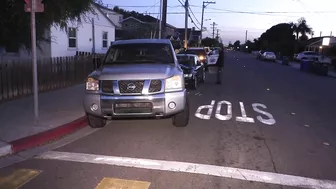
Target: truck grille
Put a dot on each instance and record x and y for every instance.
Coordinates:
(131, 86)
(107, 86)
(155, 86)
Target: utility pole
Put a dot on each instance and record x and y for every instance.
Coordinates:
(205, 4)
(34, 6)
(213, 29)
(320, 33)
(246, 36)
(164, 18)
(93, 37)
(217, 35)
(160, 24)
(186, 5)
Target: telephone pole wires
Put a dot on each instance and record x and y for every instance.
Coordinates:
(205, 4)
(213, 29)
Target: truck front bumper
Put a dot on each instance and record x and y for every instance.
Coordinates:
(157, 105)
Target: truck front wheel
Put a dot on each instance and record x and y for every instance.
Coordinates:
(182, 119)
(96, 122)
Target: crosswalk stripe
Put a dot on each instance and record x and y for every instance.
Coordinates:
(195, 168)
(18, 178)
(115, 183)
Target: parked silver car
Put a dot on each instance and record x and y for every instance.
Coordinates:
(268, 56)
(137, 78)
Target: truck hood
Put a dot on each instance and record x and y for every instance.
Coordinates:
(135, 71)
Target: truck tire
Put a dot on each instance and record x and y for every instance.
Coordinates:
(96, 122)
(182, 119)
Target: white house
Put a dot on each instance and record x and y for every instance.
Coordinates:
(94, 34)
(115, 17)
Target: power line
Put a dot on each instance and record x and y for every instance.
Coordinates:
(153, 6)
(257, 14)
(194, 16)
(231, 11)
(191, 19)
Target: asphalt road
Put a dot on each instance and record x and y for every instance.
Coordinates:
(293, 136)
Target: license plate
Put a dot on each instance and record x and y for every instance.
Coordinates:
(134, 105)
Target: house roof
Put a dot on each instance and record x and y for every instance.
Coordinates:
(317, 41)
(105, 8)
(105, 16)
(133, 18)
(147, 19)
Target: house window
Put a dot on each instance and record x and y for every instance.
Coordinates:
(72, 35)
(105, 39)
(120, 18)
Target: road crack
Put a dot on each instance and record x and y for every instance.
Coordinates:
(268, 149)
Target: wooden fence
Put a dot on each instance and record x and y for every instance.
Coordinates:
(16, 77)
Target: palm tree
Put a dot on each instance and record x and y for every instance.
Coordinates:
(301, 27)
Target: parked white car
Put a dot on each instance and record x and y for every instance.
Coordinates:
(306, 55)
(268, 56)
(311, 55)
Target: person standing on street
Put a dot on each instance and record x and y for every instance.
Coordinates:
(220, 64)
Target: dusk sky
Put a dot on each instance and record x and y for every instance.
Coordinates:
(235, 17)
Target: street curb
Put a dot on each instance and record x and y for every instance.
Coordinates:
(43, 137)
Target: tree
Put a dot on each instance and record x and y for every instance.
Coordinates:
(279, 38)
(210, 42)
(236, 44)
(301, 27)
(15, 23)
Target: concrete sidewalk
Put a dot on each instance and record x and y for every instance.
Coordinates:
(296, 65)
(56, 108)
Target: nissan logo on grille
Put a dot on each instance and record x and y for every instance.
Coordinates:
(131, 86)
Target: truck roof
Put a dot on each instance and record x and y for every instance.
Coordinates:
(139, 41)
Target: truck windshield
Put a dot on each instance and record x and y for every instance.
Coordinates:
(140, 53)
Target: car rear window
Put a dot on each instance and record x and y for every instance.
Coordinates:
(270, 53)
(311, 53)
(140, 53)
(186, 60)
(198, 52)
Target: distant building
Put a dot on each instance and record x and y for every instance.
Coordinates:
(144, 26)
(192, 34)
(315, 44)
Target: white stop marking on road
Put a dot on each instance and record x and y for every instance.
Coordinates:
(268, 118)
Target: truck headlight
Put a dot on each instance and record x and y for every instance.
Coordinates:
(188, 75)
(201, 57)
(92, 84)
(174, 83)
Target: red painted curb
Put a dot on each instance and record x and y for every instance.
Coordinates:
(47, 136)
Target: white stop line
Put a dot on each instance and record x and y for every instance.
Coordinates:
(267, 118)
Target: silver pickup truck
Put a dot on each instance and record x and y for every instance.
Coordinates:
(137, 78)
